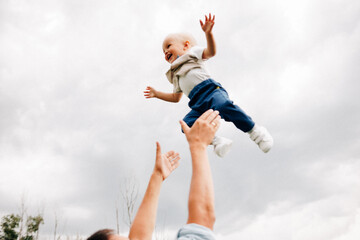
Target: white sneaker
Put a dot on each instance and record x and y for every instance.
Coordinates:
(221, 146)
(262, 138)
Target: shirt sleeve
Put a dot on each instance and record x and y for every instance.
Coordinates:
(197, 51)
(177, 89)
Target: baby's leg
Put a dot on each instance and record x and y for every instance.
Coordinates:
(231, 112)
(191, 117)
(221, 145)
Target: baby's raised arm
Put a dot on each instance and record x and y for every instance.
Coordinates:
(210, 50)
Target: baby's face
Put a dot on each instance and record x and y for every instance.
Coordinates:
(173, 48)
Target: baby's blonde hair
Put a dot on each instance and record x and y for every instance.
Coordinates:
(183, 37)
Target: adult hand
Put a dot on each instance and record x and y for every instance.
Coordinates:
(165, 163)
(204, 128)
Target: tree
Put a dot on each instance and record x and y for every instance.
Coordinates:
(130, 194)
(10, 227)
(129, 191)
(32, 227)
(23, 213)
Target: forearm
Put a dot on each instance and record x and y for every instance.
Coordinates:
(201, 171)
(210, 50)
(201, 196)
(169, 97)
(211, 46)
(144, 222)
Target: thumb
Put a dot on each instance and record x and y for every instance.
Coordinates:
(158, 149)
(184, 126)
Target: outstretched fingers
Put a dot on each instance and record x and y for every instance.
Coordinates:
(149, 92)
(174, 161)
(206, 114)
(172, 158)
(212, 116)
(169, 154)
(209, 21)
(209, 18)
(216, 122)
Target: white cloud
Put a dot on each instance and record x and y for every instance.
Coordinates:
(74, 121)
(334, 216)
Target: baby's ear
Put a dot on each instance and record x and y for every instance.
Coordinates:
(187, 44)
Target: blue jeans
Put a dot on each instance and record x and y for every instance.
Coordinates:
(210, 95)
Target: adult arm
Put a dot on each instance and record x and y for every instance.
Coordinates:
(201, 196)
(144, 222)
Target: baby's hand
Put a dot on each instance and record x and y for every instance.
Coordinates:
(209, 23)
(150, 92)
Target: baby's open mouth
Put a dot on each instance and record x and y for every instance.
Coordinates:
(169, 56)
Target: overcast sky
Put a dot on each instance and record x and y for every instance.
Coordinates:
(74, 123)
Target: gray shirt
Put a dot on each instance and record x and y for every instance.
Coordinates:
(188, 71)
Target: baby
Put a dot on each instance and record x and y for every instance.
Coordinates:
(190, 77)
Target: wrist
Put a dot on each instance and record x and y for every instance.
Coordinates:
(208, 34)
(157, 174)
(198, 146)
